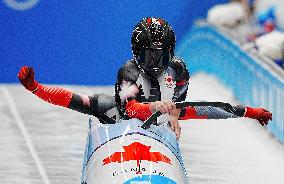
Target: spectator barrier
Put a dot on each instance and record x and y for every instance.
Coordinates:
(252, 80)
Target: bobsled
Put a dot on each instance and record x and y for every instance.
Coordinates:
(137, 152)
(127, 153)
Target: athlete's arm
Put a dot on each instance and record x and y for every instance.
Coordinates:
(143, 111)
(182, 78)
(95, 105)
(207, 112)
(260, 114)
(180, 91)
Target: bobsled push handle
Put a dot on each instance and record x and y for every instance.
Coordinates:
(226, 106)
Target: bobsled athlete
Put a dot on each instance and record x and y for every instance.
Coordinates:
(154, 79)
(151, 81)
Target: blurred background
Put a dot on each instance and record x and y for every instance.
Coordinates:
(84, 40)
(234, 51)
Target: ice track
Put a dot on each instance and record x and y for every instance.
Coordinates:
(41, 143)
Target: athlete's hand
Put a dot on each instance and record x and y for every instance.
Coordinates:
(173, 121)
(26, 76)
(163, 106)
(260, 114)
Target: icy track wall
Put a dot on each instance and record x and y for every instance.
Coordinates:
(207, 50)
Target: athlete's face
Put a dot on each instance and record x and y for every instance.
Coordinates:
(154, 61)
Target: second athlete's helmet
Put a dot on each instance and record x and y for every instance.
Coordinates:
(153, 44)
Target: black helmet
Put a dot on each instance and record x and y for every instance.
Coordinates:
(153, 44)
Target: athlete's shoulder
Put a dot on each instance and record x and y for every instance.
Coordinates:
(128, 71)
(179, 66)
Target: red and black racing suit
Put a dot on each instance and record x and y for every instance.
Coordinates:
(134, 89)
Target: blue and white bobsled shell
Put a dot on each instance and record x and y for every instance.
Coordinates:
(124, 153)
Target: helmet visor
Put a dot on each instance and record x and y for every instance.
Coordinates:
(154, 59)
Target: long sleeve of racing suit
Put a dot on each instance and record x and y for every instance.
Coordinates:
(96, 105)
(208, 112)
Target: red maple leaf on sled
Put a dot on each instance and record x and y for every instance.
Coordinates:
(136, 151)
